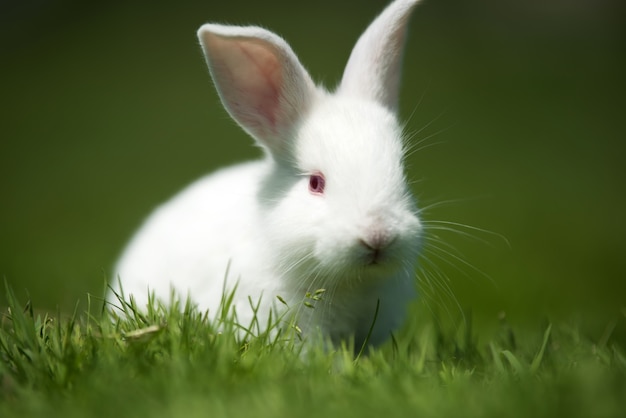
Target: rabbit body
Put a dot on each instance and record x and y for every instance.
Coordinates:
(328, 207)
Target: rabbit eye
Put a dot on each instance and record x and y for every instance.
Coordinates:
(317, 183)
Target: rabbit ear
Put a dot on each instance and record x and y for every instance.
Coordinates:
(261, 83)
(373, 70)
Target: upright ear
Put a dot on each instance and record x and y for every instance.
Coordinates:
(260, 80)
(373, 70)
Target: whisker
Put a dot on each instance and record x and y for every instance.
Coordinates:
(438, 288)
(430, 223)
(419, 102)
(439, 203)
(413, 134)
(414, 149)
(437, 240)
(460, 260)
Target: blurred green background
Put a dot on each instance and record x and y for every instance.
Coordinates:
(108, 109)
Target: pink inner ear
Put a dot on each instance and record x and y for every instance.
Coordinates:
(249, 75)
(261, 81)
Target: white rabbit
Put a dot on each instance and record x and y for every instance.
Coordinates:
(327, 208)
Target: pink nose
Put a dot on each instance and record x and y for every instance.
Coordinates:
(375, 243)
(376, 240)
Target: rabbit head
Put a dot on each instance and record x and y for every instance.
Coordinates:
(334, 205)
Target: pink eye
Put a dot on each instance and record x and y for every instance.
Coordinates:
(317, 183)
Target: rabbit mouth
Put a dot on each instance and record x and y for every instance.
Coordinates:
(375, 257)
(376, 251)
(378, 259)
(384, 260)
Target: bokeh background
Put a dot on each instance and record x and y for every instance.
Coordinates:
(107, 109)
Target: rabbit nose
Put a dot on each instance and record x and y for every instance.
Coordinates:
(376, 240)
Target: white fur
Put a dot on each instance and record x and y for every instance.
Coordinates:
(260, 217)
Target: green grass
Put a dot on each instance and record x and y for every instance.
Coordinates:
(181, 362)
(108, 112)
